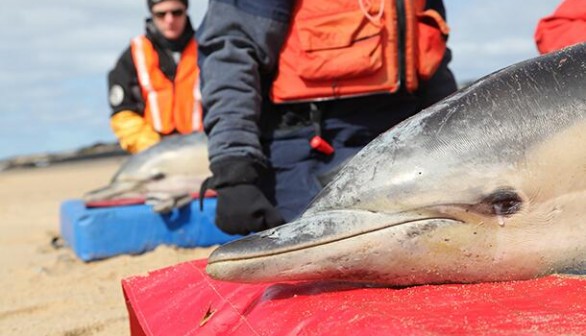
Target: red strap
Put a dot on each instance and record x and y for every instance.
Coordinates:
(136, 200)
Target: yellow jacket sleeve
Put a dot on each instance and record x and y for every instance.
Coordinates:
(133, 131)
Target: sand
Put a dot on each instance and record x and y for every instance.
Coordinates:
(48, 290)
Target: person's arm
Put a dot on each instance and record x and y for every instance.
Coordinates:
(239, 43)
(442, 83)
(565, 27)
(134, 133)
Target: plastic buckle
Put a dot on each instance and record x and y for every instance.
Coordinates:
(317, 142)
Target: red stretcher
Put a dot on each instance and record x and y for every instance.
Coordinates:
(183, 300)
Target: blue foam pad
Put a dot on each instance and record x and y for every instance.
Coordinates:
(99, 233)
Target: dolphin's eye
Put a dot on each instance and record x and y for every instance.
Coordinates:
(502, 202)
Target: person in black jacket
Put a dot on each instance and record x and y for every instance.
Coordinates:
(150, 94)
(292, 89)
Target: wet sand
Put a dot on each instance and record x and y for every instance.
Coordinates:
(48, 290)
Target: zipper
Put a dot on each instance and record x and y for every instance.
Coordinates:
(401, 22)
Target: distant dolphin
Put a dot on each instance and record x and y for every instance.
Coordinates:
(487, 185)
(165, 174)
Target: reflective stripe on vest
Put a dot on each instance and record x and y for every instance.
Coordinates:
(344, 48)
(197, 109)
(170, 105)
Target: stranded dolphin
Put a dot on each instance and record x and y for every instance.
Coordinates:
(487, 185)
(164, 174)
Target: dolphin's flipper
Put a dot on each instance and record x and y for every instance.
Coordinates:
(165, 202)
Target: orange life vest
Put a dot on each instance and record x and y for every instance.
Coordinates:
(169, 105)
(343, 48)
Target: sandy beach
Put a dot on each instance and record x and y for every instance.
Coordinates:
(48, 290)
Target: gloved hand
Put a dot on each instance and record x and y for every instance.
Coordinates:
(134, 133)
(241, 207)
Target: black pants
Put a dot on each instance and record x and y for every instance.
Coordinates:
(348, 125)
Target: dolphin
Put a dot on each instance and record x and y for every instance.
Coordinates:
(487, 185)
(165, 174)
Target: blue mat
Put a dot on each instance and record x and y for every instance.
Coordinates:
(99, 233)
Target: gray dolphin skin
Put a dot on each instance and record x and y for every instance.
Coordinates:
(165, 173)
(486, 185)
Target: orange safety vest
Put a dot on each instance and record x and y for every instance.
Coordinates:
(344, 48)
(169, 105)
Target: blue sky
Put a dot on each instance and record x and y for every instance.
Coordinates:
(56, 54)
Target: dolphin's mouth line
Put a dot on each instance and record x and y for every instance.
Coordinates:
(305, 247)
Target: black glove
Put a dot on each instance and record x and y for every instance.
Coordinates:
(241, 208)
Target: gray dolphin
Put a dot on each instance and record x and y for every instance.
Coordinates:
(165, 174)
(487, 185)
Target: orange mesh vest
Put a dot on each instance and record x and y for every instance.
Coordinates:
(169, 105)
(343, 48)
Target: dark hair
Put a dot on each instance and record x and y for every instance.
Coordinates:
(151, 3)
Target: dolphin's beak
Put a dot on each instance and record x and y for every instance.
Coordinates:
(335, 244)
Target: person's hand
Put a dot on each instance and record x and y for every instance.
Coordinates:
(134, 133)
(241, 207)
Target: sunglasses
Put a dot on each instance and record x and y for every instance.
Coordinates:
(175, 13)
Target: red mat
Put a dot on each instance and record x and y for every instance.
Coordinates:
(182, 300)
(136, 200)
